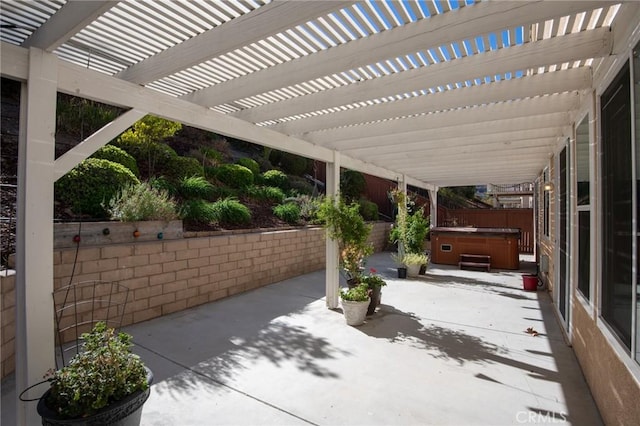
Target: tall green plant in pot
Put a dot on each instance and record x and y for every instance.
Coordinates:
(398, 234)
(105, 384)
(345, 225)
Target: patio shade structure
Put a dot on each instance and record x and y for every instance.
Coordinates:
(428, 93)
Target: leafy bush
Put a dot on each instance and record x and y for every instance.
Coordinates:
(82, 117)
(234, 175)
(352, 185)
(117, 155)
(231, 211)
(223, 192)
(265, 193)
(144, 142)
(358, 293)
(151, 158)
(368, 209)
(276, 178)
(289, 212)
(290, 163)
(194, 187)
(181, 167)
(417, 230)
(198, 211)
(300, 185)
(105, 371)
(308, 206)
(250, 164)
(89, 186)
(142, 202)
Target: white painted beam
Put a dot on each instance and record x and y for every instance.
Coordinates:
(433, 200)
(467, 22)
(421, 141)
(249, 28)
(332, 272)
(572, 47)
(520, 109)
(426, 133)
(84, 149)
(535, 85)
(70, 19)
(35, 343)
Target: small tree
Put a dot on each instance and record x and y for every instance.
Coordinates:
(148, 132)
(345, 225)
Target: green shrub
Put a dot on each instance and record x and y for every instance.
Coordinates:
(368, 209)
(152, 158)
(308, 207)
(300, 185)
(198, 211)
(194, 187)
(89, 186)
(234, 175)
(142, 202)
(276, 178)
(290, 163)
(352, 185)
(289, 212)
(250, 164)
(231, 211)
(265, 193)
(223, 192)
(164, 184)
(117, 155)
(181, 167)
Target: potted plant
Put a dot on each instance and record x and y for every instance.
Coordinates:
(374, 283)
(104, 384)
(345, 225)
(398, 234)
(355, 302)
(413, 261)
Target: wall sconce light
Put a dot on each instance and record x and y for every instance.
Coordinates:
(548, 186)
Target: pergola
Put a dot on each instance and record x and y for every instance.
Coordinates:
(429, 93)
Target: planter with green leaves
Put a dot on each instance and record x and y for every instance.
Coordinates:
(104, 384)
(375, 283)
(413, 261)
(355, 302)
(345, 225)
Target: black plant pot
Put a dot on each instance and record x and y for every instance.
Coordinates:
(126, 412)
(423, 269)
(375, 300)
(402, 272)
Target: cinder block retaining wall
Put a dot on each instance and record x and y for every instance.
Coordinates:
(169, 276)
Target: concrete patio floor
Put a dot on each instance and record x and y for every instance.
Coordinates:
(447, 348)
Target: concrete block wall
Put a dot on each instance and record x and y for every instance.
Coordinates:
(170, 276)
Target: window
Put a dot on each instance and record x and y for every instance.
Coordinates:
(617, 209)
(584, 207)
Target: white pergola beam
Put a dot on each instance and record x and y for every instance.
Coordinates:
(84, 149)
(571, 47)
(426, 133)
(535, 85)
(35, 341)
(71, 18)
(242, 31)
(514, 110)
(89, 84)
(467, 22)
(421, 141)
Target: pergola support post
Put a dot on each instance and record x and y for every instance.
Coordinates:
(332, 277)
(433, 199)
(35, 343)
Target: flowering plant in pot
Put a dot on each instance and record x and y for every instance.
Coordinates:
(103, 384)
(355, 302)
(374, 283)
(413, 261)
